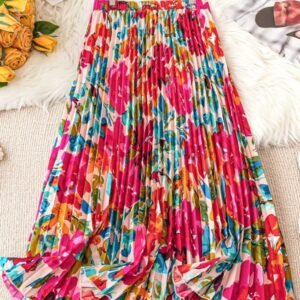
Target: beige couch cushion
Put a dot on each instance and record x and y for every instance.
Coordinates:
(27, 137)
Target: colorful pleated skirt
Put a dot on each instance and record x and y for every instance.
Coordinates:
(154, 187)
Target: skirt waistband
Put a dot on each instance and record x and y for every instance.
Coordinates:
(149, 4)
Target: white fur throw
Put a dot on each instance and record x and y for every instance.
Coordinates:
(43, 80)
(269, 85)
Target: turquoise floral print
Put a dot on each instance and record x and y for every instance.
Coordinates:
(154, 187)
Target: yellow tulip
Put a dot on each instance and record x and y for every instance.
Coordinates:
(8, 22)
(16, 5)
(44, 43)
(6, 74)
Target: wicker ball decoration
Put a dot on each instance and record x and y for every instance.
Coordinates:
(19, 34)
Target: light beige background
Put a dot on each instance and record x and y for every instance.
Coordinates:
(27, 137)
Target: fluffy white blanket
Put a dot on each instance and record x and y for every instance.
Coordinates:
(269, 85)
(44, 80)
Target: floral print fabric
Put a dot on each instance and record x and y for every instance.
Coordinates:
(154, 188)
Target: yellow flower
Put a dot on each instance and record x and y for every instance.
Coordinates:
(24, 39)
(3, 9)
(6, 74)
(14, 58)
(26, 17)
(8, 38)
(29, 8)
(44, 43)
(16, 5)
(7, 22)
(28, 20)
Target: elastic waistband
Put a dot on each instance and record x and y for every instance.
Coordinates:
(149, 4)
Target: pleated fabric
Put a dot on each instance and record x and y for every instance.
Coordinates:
(154, 188)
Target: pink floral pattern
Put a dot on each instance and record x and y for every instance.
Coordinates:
(154, 187)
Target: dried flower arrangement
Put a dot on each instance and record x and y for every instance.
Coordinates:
(19, 34)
